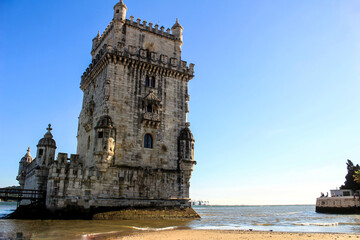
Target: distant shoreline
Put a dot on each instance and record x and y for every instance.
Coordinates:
(233, 235)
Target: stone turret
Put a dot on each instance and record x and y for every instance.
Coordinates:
(120, 11)
(24, 162)
(186, 144)
(96, 41)
(104, 143)
(46, 149)
(177, 30)
(186, 158)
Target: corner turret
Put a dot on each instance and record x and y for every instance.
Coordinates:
(46, 149)
(104, 142)
(186, 157)
(120, 11)
(24, 162)
(95, 43)
(177, 30)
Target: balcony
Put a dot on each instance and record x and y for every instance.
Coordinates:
(151, 119)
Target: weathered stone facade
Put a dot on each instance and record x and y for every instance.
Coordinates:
(135, 148)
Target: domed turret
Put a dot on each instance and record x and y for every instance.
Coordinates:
(104, 142)
(120, 11)
(46, 149)
(186, 144)
(186, 134)
(27, 158)
(47, 140)
(177, 30)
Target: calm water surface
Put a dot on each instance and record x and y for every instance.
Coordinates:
(277, 218)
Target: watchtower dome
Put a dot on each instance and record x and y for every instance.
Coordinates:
(46, 148)
(120, 11)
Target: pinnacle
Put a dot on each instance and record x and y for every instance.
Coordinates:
(28, 153)
(48, 133)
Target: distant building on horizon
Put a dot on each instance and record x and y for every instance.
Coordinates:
(135, 147)
(199, 203)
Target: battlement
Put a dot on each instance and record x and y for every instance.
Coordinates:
(151, 28)
(143, 26)
(62, 158)
(121, 52)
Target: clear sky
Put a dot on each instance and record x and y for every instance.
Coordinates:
(274, 103)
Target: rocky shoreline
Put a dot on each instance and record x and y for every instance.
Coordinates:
(102, 213)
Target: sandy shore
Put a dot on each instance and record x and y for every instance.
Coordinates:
(232, 235)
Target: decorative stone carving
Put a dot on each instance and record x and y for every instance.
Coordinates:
(153, 56)
(173, 62)
(132, 50)
(143, 53)
(164, 59)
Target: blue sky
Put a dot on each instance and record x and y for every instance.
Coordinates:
(274, 104)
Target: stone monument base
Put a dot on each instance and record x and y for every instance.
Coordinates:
(39, 211)
(134, 214)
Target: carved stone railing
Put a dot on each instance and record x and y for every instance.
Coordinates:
(151, 119)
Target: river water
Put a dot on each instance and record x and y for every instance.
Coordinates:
(297, 218)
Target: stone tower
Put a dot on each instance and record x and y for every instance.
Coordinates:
(135, 147)
(132, 126)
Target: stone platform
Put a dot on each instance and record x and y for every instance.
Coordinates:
(39, 211)
(338, 205)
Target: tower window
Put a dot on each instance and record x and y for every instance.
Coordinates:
(149, 108)
(88, 143)
(41, 151)
(148, 141)
(100, 134)
(152, 82)
(147, 81)
(117, 11)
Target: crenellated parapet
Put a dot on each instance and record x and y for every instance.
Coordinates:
(137, 57)
(99, 39)
(175, 33)
(66, 174)
(151, 28)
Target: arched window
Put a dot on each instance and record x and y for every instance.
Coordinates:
(147, 81)
(100, 134)
(88, 143)
(148, 141)
(152, 82)
(149, 108)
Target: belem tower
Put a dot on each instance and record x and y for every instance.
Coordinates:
(135, 148)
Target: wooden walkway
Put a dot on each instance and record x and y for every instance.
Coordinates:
(22, 194)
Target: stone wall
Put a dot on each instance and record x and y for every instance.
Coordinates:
(338, 205)
(147, 214)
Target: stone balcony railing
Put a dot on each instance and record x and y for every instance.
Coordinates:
(151, 119)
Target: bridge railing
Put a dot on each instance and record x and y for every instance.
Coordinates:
(21, 194)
